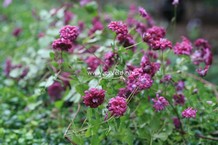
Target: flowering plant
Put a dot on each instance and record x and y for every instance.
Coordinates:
(126, 79)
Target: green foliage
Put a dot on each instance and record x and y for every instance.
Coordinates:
(29, 116)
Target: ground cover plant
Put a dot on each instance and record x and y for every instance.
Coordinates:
(78, 75)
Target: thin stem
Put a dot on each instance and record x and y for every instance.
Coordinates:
(68, 128)
(205, 137)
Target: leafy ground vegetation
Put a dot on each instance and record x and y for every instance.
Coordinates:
(72, 74)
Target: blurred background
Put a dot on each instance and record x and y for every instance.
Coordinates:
(195, 18)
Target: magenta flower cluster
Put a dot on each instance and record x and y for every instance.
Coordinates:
(56, 90)
(117, 106)
(94, 97)
(93, 62)
(68, 35)
(154, 36)
(109, 60)
(160, 103)
(189, 113)
(123, 35)
(183, 48)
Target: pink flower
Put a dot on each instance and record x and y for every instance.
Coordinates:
(184, 47)
(69, 32)
(197, 57)
(127, 41)
(141, 28)
(109, 60)
(17, 32)
(68, 15)
(203, 72)
(97, 25)
(202, 43)
(92, 62)
(84, 2)
(6, 3)
(207, 56)
(179, 99)
(41, 34)
(119, 27)
(81, 26)
(94, 97)
(143, 12)
(55, 91)
(155, 38)
(24, 72)
(189, 113)
(145, 15)
(162, 44)
(166, 78)
(160, 103)
(154, 33)
(176, 122)
(149, 67)
(62, 44)
(117, 106)
(139, 80)
(8, 67)
(180, 86)
(175, 2)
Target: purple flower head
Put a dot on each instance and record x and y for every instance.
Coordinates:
(160, 103)
(6, 3)
(94, 97)
(81, 26)
(166, 78)
(55, 91)
(62, 44)
(92, 62)
(69, 32)
(176, 122)
(202, 43)
(207, 56)
(84, 2)
(109, 60)
(146, 16)
(175, 2)
(68, 15)
(154, 33)
(179, 99)
(184, 47)
(17, 32)
(119, 27)
(97, 25)
(180, 86)
(203, 72)
(117, 106)
(139, 80)
(197, 57)
(143, 12)
(162, 44)
(41, 34)
(131, 21)
(126, 41)
(24, 72)
(189, 113)
(149, 67)
(8, 67)
(141, 28)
